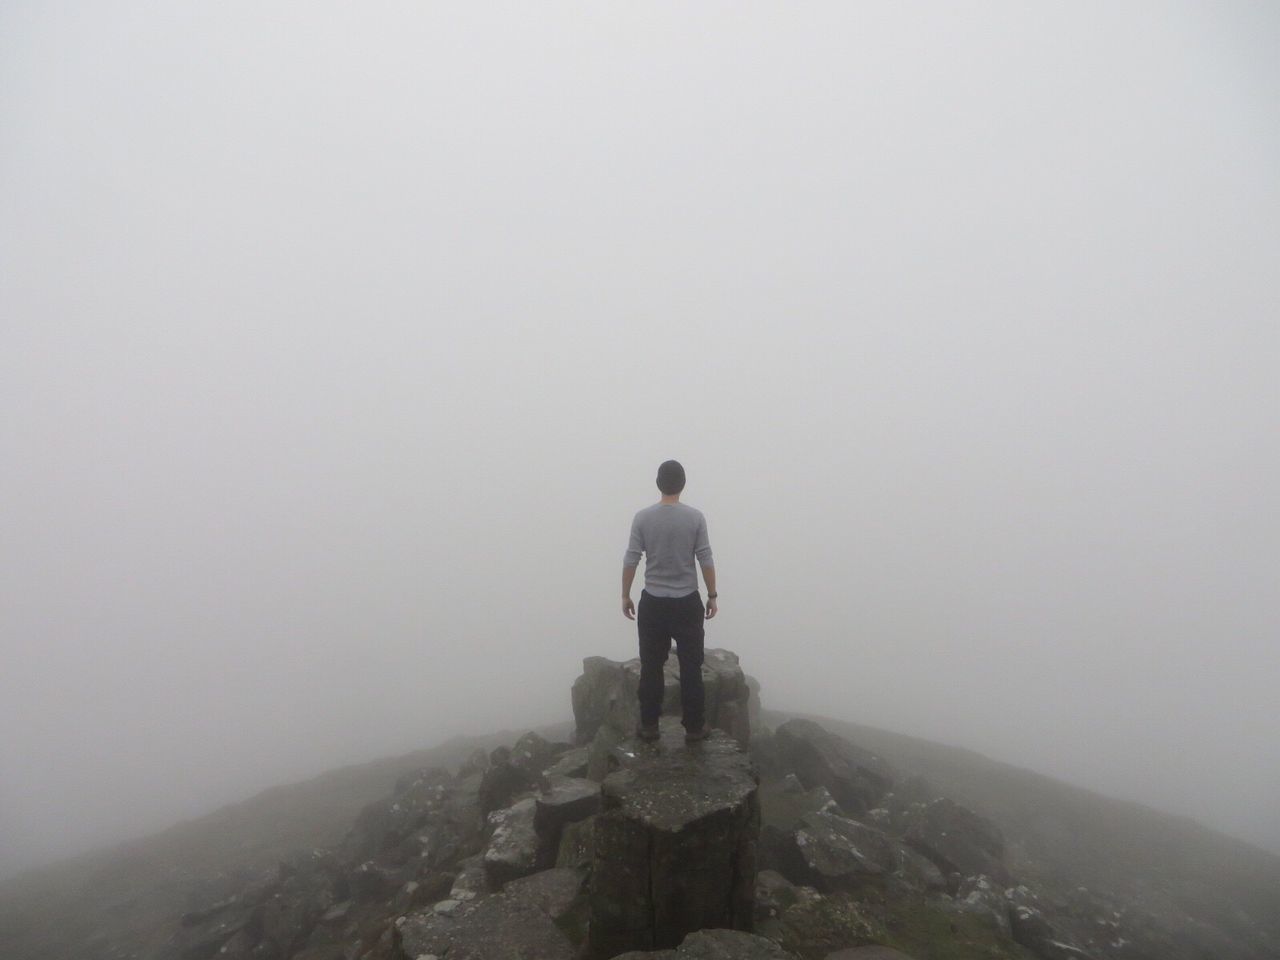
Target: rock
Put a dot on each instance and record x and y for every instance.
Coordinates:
(838, 852)
(516, 770)
(857, 778)
(512, 850)
(784, 802)
(528, 920)
(716, 945)
(476, 762)
(957, 839)
(567, 801)
(1034, 930)
(811, 924)
(555, 892)
(204, 936)
(337, 912)
(605, 695)
(730, 945)
(533, 752)
(372, 881)
(978, 895)
(603, 753)
(386, 824)
(783, 805)
(870, 952)
(774, 894)
(331, 951)
(765, 753)
(413, 896)
(472, 880)
(572, 763)
(675, 843)
(804, 836)
(306, 889)
(499, 927)
(577, 844)
(561, 895)
(916, 871)
(753, 702)
(431, 822)
(503, 782)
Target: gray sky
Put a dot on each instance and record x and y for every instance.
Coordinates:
(341, 341)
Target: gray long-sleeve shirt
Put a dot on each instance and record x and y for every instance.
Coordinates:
(671, 536)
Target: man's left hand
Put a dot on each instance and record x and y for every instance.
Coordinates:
(628, 608)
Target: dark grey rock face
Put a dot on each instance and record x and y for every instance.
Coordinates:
(857, 778)
(675, 843)
(577, 844)
(958, 840)
(534, 752)
(554, 892)
(605, 695)
(516, 770)
(503, 781)
(566, 801)
(783, 805)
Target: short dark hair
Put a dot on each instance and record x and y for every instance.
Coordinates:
(670, 477)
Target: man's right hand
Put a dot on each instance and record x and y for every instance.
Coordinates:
(712, 609)
(628, 608)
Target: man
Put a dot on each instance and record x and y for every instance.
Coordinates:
(671, 535)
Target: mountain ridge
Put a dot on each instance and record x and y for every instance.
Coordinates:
(130, 892)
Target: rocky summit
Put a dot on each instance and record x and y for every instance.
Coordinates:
(779, 838)
(675, 843)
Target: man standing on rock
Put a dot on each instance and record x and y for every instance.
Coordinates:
(671, 535)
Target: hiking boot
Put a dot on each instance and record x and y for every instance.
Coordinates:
(696, 733)
(648, 732)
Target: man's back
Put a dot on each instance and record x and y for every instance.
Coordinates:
(671, 536)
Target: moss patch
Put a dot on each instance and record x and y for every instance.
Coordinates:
(927, 931)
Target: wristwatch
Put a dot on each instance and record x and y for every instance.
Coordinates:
(712, 596)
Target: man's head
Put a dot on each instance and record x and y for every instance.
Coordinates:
(670, 478)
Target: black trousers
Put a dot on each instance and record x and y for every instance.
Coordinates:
(660, 620)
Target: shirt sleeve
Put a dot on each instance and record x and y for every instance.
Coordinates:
(632, 557)
(702, 545)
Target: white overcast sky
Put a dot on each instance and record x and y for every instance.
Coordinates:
(340, 342)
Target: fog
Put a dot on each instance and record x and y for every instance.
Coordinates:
(340, 343)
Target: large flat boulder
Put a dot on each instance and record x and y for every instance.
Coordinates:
(674, 843)
(605, 695)
(838, 851)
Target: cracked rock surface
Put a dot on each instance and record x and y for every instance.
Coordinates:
(675, 843)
